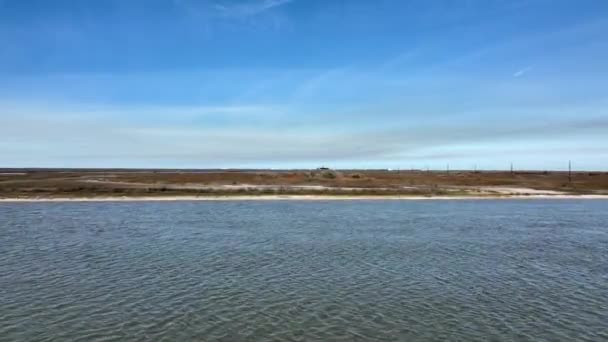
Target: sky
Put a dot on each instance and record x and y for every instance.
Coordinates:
(394, 84)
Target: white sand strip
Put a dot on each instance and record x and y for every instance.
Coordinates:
(290, 197)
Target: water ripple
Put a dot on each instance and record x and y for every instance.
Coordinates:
(291, 271)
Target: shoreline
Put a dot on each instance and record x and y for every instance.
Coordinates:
(105, 185)
(294, 198)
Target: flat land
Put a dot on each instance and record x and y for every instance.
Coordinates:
(113, 183)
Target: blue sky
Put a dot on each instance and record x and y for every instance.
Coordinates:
(304, 83)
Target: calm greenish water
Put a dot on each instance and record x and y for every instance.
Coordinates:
(510, 270)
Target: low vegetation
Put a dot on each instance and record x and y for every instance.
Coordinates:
(89, 183)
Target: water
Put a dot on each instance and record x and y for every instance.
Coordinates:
(304, 271)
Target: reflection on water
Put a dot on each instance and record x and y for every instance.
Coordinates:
(304, 271)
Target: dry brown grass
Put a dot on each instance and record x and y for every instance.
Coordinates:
(110, 182)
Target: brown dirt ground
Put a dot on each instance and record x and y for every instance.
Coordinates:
(25, 183)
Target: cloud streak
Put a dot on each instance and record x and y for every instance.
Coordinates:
(249, 9)
(104, 138)
(521, 72)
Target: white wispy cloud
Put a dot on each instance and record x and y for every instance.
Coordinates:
(107, 137)
(521, 72)
(250, 8)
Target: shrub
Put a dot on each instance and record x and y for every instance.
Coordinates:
(329, 175)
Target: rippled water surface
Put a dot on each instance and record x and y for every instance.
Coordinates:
(304, 271)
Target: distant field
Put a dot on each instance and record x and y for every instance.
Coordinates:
(22, 183)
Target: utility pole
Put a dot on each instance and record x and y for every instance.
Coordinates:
(569, 171)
